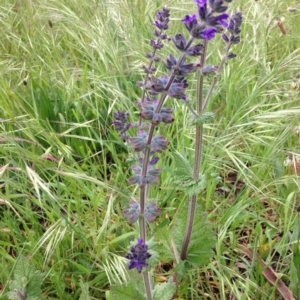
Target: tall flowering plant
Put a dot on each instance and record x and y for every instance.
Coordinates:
(209, 21)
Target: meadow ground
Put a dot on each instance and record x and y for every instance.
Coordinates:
(66, 66)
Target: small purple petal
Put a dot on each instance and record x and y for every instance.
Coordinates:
(208, 33)
(188, 19)
(200, 3)
(222, 19)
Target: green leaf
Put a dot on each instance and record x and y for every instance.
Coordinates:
(204, 118)
(26, 283)
(84, 291)
(202, 239)
(133, 290)
(182, 171)
(182, 268)
(296, 259)
(164, 247)
(295, 268)
(183, 179)
(164, 291)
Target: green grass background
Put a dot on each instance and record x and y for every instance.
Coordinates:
(65, 67)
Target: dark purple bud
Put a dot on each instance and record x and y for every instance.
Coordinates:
(196, 32)
(156, 44)
(238, 18)
(217, 5)
(156, 119)
(235, 23)
(121, 123)
(215, 21)
(159, 143)
(202, 11)
(152, 175)
(225, 38)
(163, 36)
(184, 70)
(162, 19)
(177, 90)
(138, 256)
(231, 55)
(220, 9)
(138, 142)
(151, 212)
(235, 39)
(154, 160)
(170, 62)
(157, 33)
(149, 54)
(194, 50)
(132, 213)
(181, 80)
(166, 115)
(179, 41)
(149, 70)
(157, 84)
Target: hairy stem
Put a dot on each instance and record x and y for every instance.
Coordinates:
(147, 284)
(200, 108)
(197, 162)
(220, 67)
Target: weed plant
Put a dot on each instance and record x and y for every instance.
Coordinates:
(66, 67)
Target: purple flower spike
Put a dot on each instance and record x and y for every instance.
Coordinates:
(138, 256)
(121, 123)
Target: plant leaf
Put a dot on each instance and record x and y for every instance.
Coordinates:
(204, 118)
(164, 291)
(133, 290)
(84, 291)
(202, 239)
(26, 283)
(183, 179)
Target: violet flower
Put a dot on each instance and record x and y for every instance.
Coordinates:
(138, 256)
